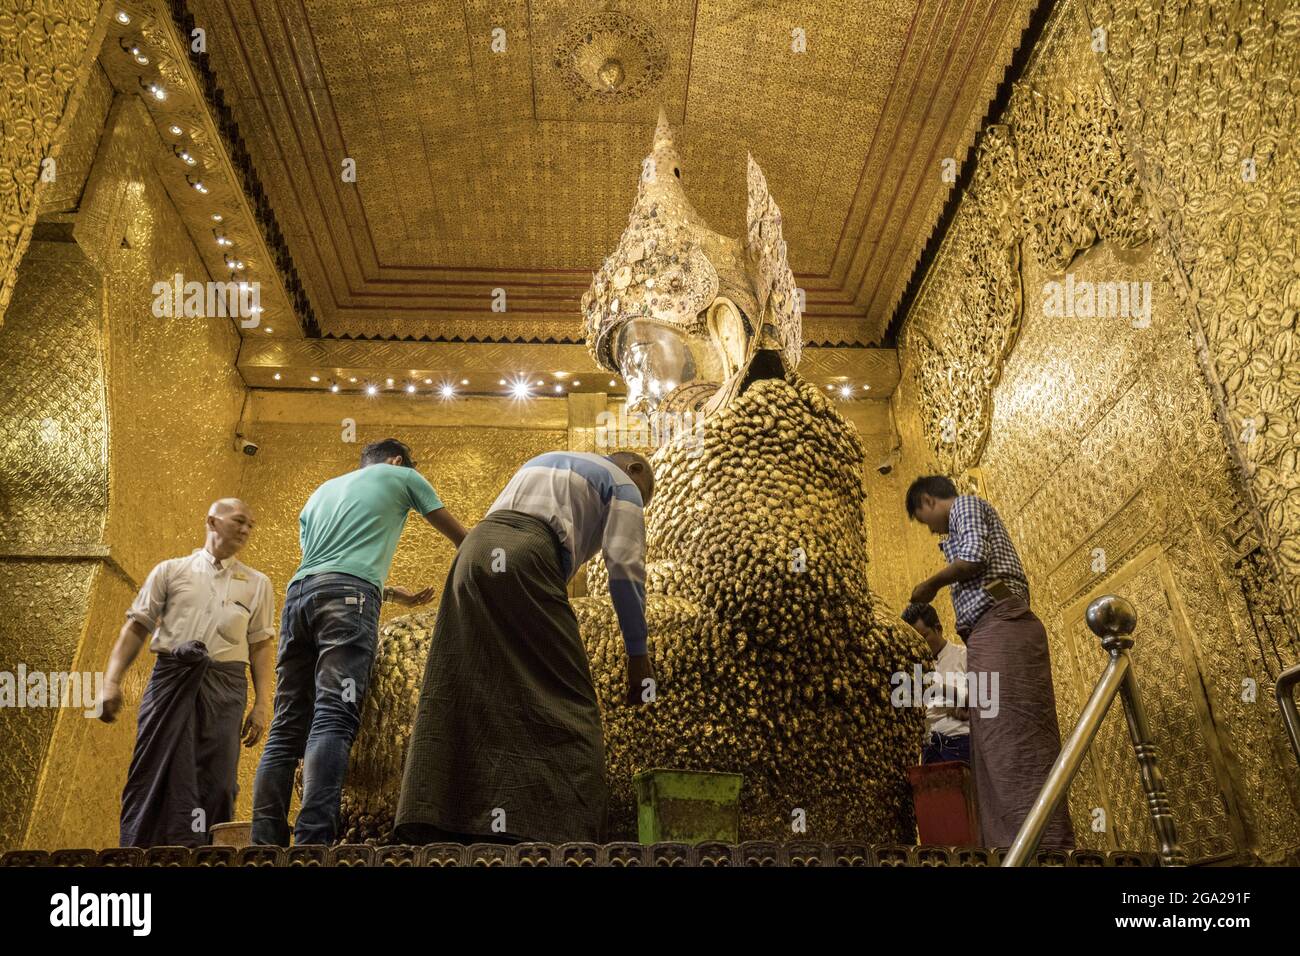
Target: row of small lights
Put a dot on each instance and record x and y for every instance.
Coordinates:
(519, 387)
(155, 89)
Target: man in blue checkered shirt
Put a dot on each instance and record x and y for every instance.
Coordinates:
(1014, 736)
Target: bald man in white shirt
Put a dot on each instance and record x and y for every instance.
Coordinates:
(211, 618)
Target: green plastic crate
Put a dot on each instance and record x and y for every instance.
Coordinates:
(687, 806)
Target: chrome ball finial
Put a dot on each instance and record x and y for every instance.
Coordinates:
(1111, 617)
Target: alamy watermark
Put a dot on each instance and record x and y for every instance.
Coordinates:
(654, 430)
(39, 689)
(977, 690)
(177, 299)
(1084, 299)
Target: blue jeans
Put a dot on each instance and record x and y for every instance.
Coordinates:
(941, 748)
(327, 643)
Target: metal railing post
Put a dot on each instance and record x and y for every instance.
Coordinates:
(1285, 690)
(1112, 619)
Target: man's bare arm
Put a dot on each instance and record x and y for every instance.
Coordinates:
(261, 661)
(445, 522)
(125, 650)
(958, 570)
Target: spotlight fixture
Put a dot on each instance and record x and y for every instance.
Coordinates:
(334, 386)
(390, 382)
(410, 389)
(276, 376)
(315, 378)
(576, 382)
(428, 381)
(464, 381)
(197, 184)
(501, 381)
(612, 383)
(269, 330)
(352, 379)
(222, 240)
(372, 389)
(123, 17)
(176, 130)
(154, 90)
(185, 156)
(216, 217)
(559, 389)
(846, 391)
(540, 383)
(142, 59)
(447, 391)
(520, 389)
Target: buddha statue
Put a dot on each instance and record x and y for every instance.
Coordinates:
(773, 658)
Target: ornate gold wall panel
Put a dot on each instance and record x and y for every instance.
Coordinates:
(1098, 441)
(53, 493)
(46, 47)
(1207, 93)
(80, 146)
(121, 437)
(174, 396)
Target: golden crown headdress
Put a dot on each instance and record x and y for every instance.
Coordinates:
(669, 265)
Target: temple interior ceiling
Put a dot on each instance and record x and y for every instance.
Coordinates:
(514, 168)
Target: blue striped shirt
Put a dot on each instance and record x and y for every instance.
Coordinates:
(976, 533)
(592, 505)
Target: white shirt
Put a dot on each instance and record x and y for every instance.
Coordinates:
(225, 605)
(951, 664)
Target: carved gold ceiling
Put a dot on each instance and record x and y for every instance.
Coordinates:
(514, 168)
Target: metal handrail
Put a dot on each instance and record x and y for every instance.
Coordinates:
(1284, 688)
(1112, 619)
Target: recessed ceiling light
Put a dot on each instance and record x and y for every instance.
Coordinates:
(352, 378)
(315, 378)
(269, 330)
(428, 381)
(276, 376)
(142, 59)
(559, 388)
(846, 390)
(464, 381)
(334, 386)
(576, 382)
(447, 391)
(612, 383)
(371, 389)
(123, 17)
(501, 381)
(176, 131)
(216, 217)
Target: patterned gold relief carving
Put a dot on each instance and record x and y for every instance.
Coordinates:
(53, 417)
(1050, 182)
(1104, 443)
(43, 47)
(1208, 93)
(78, 152)
(53, 597)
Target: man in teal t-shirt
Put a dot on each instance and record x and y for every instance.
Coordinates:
(348, 531)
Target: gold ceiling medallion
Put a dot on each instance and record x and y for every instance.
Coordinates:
(609, 57)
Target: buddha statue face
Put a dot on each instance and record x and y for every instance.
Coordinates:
(680, 310)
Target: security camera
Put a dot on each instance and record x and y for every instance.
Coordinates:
(887, 463)
(249, 448)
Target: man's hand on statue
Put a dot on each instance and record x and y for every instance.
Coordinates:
(255, 724)
(410, 598)
(641, 687)
(110, 703)
(924, 593)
